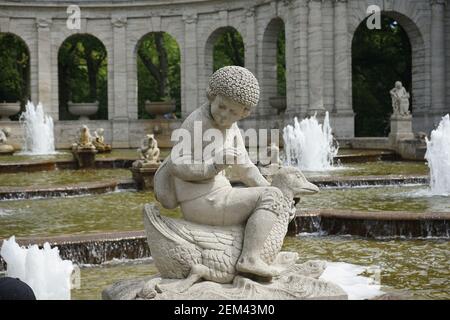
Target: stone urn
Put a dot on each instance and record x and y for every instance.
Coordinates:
(159, 108)
(83, 110)
(278, 103)
(8, 109)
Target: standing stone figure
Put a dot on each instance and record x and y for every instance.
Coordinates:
(400, 100)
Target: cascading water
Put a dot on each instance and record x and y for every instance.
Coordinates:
(309, 145)
(38, 131)
(438, 157)
(42, 269)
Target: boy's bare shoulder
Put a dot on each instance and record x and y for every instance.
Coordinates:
(198, 114)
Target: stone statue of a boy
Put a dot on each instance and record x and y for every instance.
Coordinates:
(201, 189)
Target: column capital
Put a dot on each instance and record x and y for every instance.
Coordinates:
(288, 3)
(190, 17)
(250, 12)
(119, 22)
(438, 2)
(43, 23)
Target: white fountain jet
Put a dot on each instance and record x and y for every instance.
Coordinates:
(438, 157)
(309, 145)
(38, 131)
(42, 269)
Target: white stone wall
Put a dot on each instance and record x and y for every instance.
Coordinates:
(318, 55)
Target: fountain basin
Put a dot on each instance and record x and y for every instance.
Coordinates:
(411, 198)
(8, 109)
(373, 224)
(84, 188)
(114, 211)
(403, 277)
(58, 178)
(84, 109)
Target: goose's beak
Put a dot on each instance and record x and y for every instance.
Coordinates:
(307, 188)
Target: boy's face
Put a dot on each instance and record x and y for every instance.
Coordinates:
(225, 111)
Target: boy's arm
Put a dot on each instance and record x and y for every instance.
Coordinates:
(249, 174)
(184, 169)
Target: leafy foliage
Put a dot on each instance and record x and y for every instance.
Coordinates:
(281, 62)
(158, 64)
(379, 58)
(228, 49)
(15, 70)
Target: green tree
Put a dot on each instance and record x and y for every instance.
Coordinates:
(228, 49)
(82, 74)
(15, 70)
(281, 62)
(379, 58)
(158, 63)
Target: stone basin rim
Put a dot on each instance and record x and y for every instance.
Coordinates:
(80, 188)
(374, 215)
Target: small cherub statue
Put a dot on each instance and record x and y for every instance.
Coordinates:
(400, 100)
(4, 147)
(85, 139)
(4, 134)
(99, 141)
(149, 151)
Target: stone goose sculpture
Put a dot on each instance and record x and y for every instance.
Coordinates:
(190, 251)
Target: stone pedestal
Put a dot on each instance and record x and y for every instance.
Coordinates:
(299, 282)
(143, 174)
(85, 156)
(401, 129)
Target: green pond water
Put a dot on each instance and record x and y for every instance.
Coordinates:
(61, 177)
(392, 198)
(57, 177)
(420, 267)
(122, 211)
(375, 168)
(116, 211)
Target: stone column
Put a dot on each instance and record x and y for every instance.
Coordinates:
(44, 76)
(190, 65)
(315, 58)
(438, 56)
(250, 46)
(290, 30)
(341, 59)
(120, 135)
(301, 53)
(343, 119)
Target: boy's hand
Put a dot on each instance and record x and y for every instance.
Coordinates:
(227, 157)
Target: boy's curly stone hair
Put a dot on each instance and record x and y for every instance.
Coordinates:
(235, 83)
